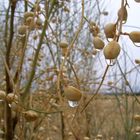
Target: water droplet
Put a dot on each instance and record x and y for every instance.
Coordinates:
(73, 103)
(136, 44)
(111, 62)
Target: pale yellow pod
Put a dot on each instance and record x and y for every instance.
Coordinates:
(28, 14)
(72, 93)
(98, 43)
(110, 30)
(22, 29)
(112, 50)
(11, 97)
(63, 44)
(124, 10)
(29, 21)
(39, 23)
(30, 115)
(137, 117)
(135, 36)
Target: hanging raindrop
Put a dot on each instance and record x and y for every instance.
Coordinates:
(73, 103)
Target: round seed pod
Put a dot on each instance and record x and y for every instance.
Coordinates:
(29, 21)
(64, 51)
(11, 97)
(15, 107)
(28, 14)
(72, 93)
(135, 36)
(137, 129)
(110, 30)
(137, 61)
(22, 29)
(138, 1)
(63, 44)
(122, 11)
(98, 43)
(2, 94)
(112, 50)
(137, 117)
(39, 23)
(30, 115)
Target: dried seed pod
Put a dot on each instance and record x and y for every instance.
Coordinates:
(137, 129)
(137, 61)
(122, 12)
(29, 21)
(63, 44)
(64, 51)
(110, 30)
(39, 23)
(98, 43)
(137, 117)
(22, 29)
(135, 36)
(138, 1)
(12, 97)
(28, 14)
(109, 83)
(2, 94)
(30, 115)
(112, 50)
(15, 107)
(72, 93)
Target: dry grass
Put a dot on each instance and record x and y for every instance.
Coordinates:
(108, 116)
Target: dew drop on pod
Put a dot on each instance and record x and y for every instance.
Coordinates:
(122, 11)
(135, 36)
(98, 43)
(110, 30)
(30, 115)
(112, 50)
(72, 93)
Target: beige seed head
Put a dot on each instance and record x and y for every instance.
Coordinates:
(72, 93)
(22, 29)
(122, 11)
(110, 30)
(63, 44)
(29, 21)
(137, 117)
(30, 115)
(28, 14)
(98, 43)
(39, 23)
(137, 129)
(135, 36)
(112, 50)
(11, 97)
